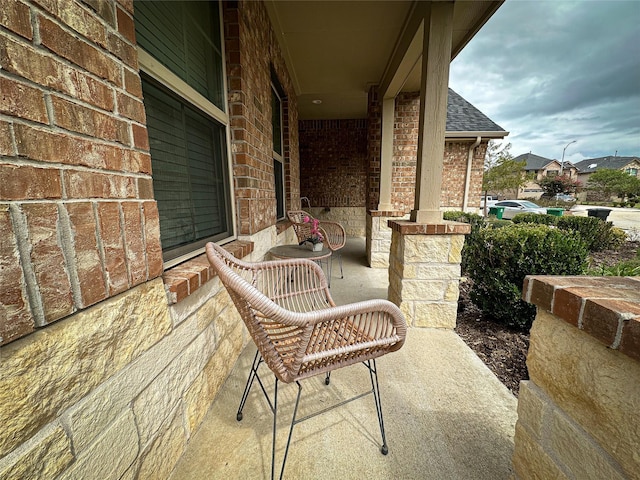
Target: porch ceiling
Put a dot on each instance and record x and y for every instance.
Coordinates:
(336, 50)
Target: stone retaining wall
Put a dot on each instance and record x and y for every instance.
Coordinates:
(579, 414)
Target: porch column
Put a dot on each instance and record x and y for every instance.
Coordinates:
(436, 57)
(386, 153)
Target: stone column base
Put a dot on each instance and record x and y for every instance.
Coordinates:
(424, 271)
(379, 236)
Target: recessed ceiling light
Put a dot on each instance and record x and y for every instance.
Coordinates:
(317, 101)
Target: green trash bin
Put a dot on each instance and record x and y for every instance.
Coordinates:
(556, 212)
(497, 211)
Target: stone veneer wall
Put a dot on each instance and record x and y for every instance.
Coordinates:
(379, 237)
(424, 271)
(117, 390)
(579, 414)
(353, 219)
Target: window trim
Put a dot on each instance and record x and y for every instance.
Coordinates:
(156, 70)
(277, 157)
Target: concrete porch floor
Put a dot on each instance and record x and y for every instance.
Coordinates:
(446, 415)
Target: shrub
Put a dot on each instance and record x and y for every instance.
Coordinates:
(535, 218)
(598, 235)
(476, 221)
(499, 259)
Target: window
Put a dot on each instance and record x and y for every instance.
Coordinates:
(552, 173)
(182, 76)
(278, 159)
(632, 171)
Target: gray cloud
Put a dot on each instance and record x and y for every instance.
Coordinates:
(554, 71)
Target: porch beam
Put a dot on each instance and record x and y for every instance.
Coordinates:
(386, 153)
(406, 54)
(436, 58)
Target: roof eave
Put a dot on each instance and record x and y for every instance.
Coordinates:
(473, 135)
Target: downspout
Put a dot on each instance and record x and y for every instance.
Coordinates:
(467, 180)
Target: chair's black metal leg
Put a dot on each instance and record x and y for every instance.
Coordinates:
(293, 423)
(340, 262)
(273, 440)
(373, 373)
(247, 388)
(327, 379)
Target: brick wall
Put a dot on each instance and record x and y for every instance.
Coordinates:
(79, 223)
(374, 144)
(333, 160)
(405, 152)
(251, 49)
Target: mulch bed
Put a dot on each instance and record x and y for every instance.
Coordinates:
(504, 349)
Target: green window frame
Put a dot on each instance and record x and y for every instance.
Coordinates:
(278, 142)
(180, 52)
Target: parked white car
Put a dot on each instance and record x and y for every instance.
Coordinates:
(514, 207)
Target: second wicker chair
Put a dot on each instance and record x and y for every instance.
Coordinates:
(334, 234)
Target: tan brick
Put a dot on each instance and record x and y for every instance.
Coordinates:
(77, 118)
(577, 451)
(48, 455)
(46, 146)
(530, 460)
(113, 246)
(41, 378)
(140, 162)
(48, 261)
(78, 51)
(83, 22)
(87, 257)
(531, 408)
(103, 9)
(435, 315)
(15, 16)
(152, 239)
(123, 50)
(83, 184)
(564, 361)
(132, 83)
(16, 319)
(140, 137)
(24, 60)
(23, 182)
(630, 341)
(22, 101)
(131, 108)
(125, 24)
(6, 144)
(134, 243)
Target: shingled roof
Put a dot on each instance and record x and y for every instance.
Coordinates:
(590, 165)
(464, 117)
(534, 162)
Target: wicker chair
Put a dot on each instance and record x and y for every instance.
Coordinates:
(300, 332)
(333, 232)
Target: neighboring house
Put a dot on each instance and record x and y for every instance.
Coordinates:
(540, 167)
(132, 133)
(586, 167)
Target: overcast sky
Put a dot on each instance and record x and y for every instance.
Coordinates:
(554, 71)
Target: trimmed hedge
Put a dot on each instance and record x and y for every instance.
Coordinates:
(498, 259)
(598, 234)
(544, 219)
